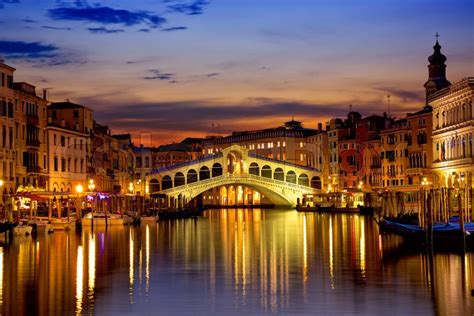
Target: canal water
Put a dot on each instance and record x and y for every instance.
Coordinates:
(230, 262)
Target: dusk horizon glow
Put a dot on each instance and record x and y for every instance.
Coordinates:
(177, 68)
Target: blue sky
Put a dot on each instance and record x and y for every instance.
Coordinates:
(174, 68)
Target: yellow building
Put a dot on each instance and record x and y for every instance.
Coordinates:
(8, 153)
(69, 145)
(453, 120)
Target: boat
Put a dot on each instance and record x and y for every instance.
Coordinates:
(63, 224)
(6, 226)
(42, 227)
(148, 219)
(443, 233)
(22, 229)
(100, 218)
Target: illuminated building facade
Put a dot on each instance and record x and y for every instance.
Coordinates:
(453, 129)
(69, 132)
(453, 124)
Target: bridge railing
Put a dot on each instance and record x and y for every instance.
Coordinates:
(223, 179)
(188, 163)
(282, 162)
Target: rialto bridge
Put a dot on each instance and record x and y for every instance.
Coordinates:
(282, 183)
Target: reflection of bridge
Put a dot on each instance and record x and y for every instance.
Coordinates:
(281, 182)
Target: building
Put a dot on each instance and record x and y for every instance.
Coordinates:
(31, 141)
(112, 161)
(9, 121)
(69, 132)
(291, 142)
(453, 124)
(453, 130)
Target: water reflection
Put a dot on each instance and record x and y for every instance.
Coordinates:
(233, 261)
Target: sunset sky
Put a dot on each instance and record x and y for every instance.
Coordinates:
(176, 67)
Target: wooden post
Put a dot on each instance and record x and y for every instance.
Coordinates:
(50, 210)
(429, 220)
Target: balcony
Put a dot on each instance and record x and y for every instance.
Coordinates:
(414, 171)
(32, 119)
(33, 143)
(375, 166)
(33, 169)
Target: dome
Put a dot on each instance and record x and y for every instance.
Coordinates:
(437, 57)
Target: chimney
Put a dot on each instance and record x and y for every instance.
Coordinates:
(320, 127)
(45, 94)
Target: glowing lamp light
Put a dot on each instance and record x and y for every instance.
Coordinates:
(79, 189)
(1, 183)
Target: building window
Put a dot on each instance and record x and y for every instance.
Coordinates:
(63, 165)
(76, 114)
(55, 163)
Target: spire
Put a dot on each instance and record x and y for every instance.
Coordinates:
(436, 71)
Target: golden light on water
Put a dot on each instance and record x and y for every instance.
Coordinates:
(131, 272)
(331, 254)
(305, 251)
(1, 275)
(362, 246)
(79, 279)
(147, 259)
(91, 267)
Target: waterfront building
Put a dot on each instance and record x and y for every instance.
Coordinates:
(69, 132)
(8, 149)
(453, 131)
(112, 161)
(31, 141)
(453, 124)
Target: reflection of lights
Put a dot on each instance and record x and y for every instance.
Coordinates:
(91, 267)
(79, 279)
(131, 272)
(331, 255)
(1, 276)
(362, 246)
(147, 259)
(305, 251)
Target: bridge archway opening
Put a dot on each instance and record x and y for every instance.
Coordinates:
(191, 176)
(291, 177)
(216, 170)
(234, 162)
(223, 195)
(267, 172)
(179, 179)
(167, 183)
(279, 174)
(254, 169)
(303, 179)
(316, 183)
(154, 185)
(204, 173)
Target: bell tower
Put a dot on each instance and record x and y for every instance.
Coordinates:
(436, 71)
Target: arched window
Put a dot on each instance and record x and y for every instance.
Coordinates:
(204, 173)
(216, 170)
(179, 179)
(147, 162)
(316, 183)
(192, 176)
(167, 183)
(254, 169)
(291, 177)
(279, 174)
(154, 186)
(267, 172)
(303, 180)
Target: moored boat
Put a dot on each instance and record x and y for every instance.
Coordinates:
(101, 219)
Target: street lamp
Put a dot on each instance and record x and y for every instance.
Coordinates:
(79, 189)
(130, 187)
(91, 185)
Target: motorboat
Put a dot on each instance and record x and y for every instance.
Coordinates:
(22, 229)
(64, 224)
(100, 218)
